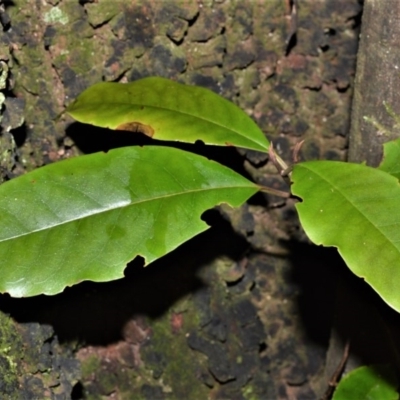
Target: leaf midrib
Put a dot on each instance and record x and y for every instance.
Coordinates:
(183, 113)
(120, 207)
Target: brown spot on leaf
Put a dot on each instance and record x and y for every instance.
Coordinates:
(136, 127)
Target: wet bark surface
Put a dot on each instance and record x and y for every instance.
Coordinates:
(245, 310)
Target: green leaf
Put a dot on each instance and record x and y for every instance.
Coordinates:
(86, 217)
(375, 382)
(356, 209)
(391, 158)
(168, 110)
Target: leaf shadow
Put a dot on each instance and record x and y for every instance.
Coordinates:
(95, 313)
(332, 297)
(90, 139)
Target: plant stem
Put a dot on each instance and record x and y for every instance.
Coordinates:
(274, 192)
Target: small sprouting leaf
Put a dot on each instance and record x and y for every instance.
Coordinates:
(375, 382)
(167, 110)
(391, 158)
(85, 218)
(356, 209)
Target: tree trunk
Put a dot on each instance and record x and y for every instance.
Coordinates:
(377, 82)
(372, 124)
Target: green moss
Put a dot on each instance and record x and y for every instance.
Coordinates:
(268, 27)
(180, 372)
(107, 381)
(10, 356)
(101, 11)
(249, 393)
(129, 383)
(90, 366)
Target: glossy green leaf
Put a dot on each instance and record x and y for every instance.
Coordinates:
(375, 382)
(86, 217)
(167, 110)
(391, 158)
(356, 209)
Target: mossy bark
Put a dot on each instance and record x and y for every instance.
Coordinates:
(236, 313)
(33, 364)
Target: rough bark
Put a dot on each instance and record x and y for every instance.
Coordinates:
(236, 313)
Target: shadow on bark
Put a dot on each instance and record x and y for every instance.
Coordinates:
(96, 312)
(331, 295)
